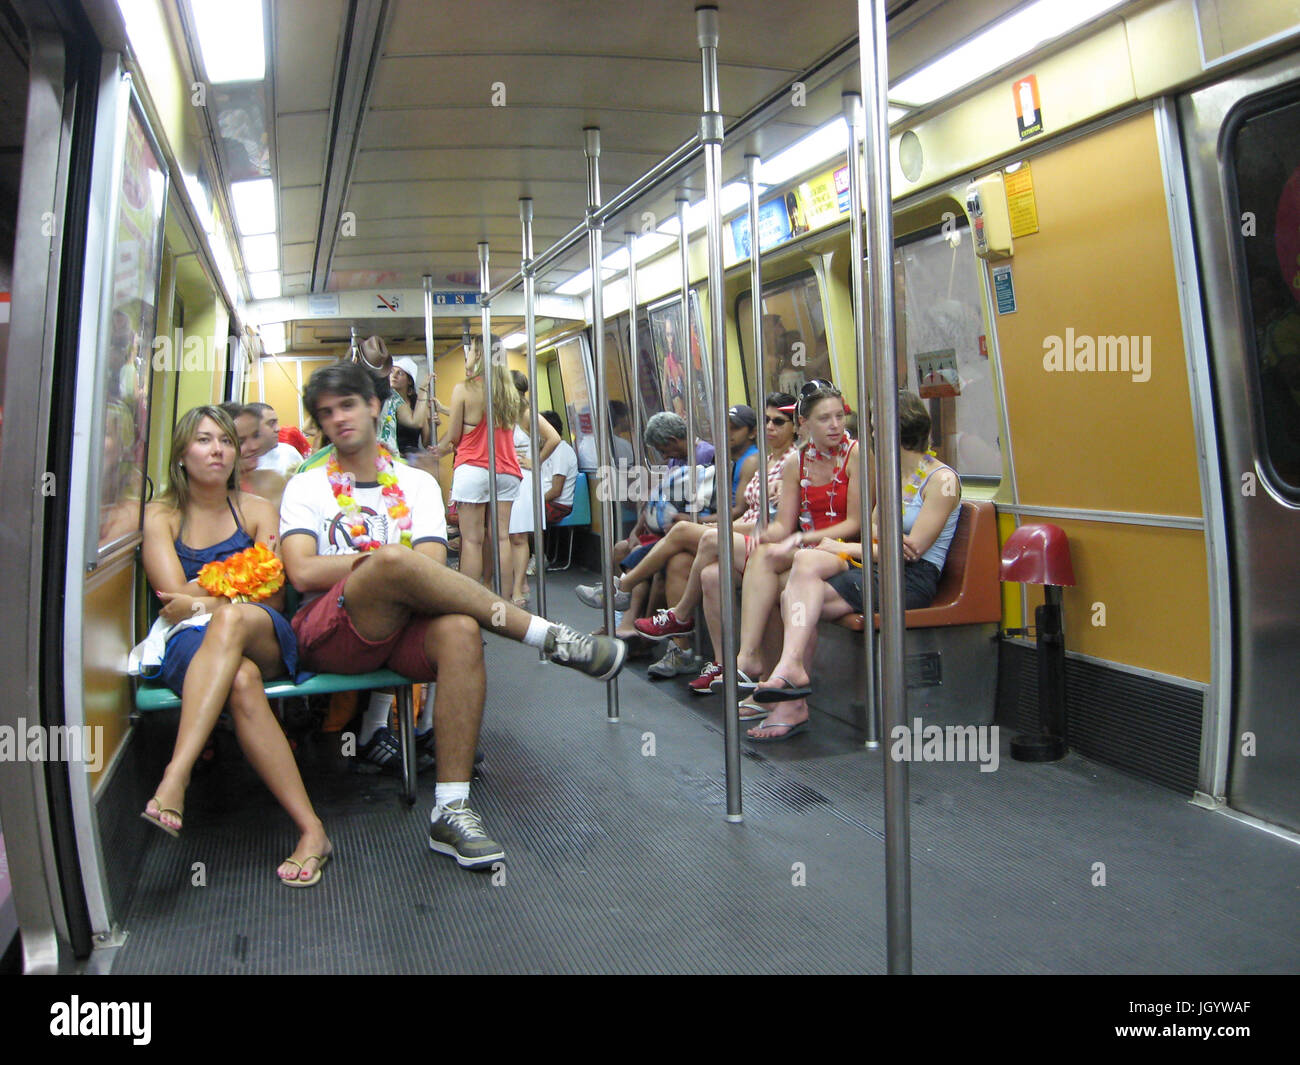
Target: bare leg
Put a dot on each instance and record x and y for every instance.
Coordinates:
(758, 599)
(268, 752)
(682, 537)
(471, 539)
(503, 547)
(452, 642)
(387, 586)
(676, 575)
(235, 632)
(519, 565)
(806, 600)
(640, 596)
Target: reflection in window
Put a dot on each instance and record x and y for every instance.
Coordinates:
(940, 324)
(794, 335)
(1266, 158)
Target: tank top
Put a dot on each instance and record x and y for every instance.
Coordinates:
(192, 559)
(755, 499)
(735, 469)
(938, 551)
(473, 450)
(827, 504)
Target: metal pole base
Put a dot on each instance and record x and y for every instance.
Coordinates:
(1038, 749)
(734, 819)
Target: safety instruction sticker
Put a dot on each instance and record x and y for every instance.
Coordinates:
(1004, 292)
(1021, 205)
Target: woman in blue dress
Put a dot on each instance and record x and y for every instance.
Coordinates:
(204, 517)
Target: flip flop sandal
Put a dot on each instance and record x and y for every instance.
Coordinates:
(744, 681)
(791, 730)
(784, 694)
(157, 821)
(752, 711)
(314, 879)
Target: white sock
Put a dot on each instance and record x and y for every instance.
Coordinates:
(446, 794)
(376, 715)
(424, 719)
(537, 630)
(618, 619)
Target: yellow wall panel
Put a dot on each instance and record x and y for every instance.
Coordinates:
(1152, 585)
(106, 640)
(1100, 440)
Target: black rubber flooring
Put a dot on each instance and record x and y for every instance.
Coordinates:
(619, 861)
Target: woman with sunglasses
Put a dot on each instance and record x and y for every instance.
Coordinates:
(702, 584)
(818, 501)
(826, 583)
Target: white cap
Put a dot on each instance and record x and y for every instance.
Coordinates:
(408, 365)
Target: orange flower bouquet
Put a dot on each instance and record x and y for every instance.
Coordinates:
(248, 577)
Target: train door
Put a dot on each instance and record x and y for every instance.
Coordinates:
(1243, 149)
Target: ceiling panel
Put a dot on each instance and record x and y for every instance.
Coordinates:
(306, 53)
(299, 214)
(301, 142)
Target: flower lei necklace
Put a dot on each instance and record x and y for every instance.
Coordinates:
(913, 486)
(838, 456)
(342, 485)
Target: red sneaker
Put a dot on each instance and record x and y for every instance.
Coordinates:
(703, 684)
(663, 625)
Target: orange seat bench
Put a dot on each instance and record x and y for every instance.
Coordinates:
(969, 591)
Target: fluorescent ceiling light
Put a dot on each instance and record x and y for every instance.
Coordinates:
(615, 260)
(648, 244)
(576, 285)
(261, 253)
(144, 27)
(273, 338)
(230, 39)
(515, 340)
(254, 203)
(1002, 43)
(265, 286)
(831, 141)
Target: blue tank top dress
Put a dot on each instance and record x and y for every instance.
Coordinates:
(182, 647)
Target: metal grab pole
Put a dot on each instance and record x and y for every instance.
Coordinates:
(604, 445)
(428, 358)
(530, 330)
(488, 364)
(756, 316)
(706, 23)
(684, 344)
(638, 444)
(853, 116)
(875, 85)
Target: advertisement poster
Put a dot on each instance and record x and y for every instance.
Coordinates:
(773, 227)
(123, 388)
(936, 374)
(823, 199)
(665, 326)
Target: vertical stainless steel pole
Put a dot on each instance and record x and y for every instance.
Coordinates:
(853, 116)
(490, 356)
(530, 330)
(638, 444)
(756, 316)
(604, 445)
(706, 24)
(684, 346)
(428, 357)
(875, 87)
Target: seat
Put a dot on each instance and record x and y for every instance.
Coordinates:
(579, 516)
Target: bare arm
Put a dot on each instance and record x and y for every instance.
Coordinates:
(942, 494)
(309, 571)
(557, 488)
(434, 550)
(455, 423)
(180, 598)
(550, 439)
(739, 505)
(787, 511)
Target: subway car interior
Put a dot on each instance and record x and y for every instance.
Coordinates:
(1068, 230)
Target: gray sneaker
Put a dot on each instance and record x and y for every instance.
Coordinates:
(593, 595)
(675, 663)
(458, 831)
(597, 656)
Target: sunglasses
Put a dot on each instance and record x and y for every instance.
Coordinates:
(818, 385)
(776, 421)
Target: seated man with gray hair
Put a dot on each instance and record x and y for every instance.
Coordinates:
(665, 432)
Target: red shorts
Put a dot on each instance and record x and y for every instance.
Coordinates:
(328, 642)
(557, 512)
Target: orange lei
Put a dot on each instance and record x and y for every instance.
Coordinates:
(250, 576)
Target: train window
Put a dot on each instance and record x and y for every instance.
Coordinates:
(1266, 160)
(665, 325)
(940, 322)
(571, 357)
(794, 334)
(648, 387)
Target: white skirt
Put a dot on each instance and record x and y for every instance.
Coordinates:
(521, 514)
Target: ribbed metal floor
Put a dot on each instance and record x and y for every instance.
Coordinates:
(618, 861)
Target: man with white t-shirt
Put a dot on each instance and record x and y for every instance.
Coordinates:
(364, 540)
(559, 474)
(284, 459)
